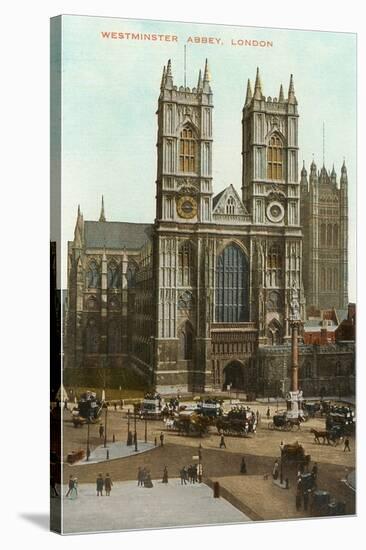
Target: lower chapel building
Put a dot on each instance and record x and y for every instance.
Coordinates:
(200, 299)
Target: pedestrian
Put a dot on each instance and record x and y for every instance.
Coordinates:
(161, 439)
(115, 405)
(108, 484)
(306, 499)
(346, 445)
(54, 492)
(140, 477)
(148, 481)
(74, 490)
(100, 485)
(268, 413)
(101, 431)
(199, 472)
(243, 466)
(165, 475)
(183, 480)
(314, 471)
(222, 441)
(257, 416)
(65, 404)
(275, 470)
(70, 486)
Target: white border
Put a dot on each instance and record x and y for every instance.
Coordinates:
(25, 263)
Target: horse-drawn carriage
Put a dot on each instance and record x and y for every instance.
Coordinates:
(89, 409)
(239, 421)
(190, 424)
(281, 421)
(294, 453)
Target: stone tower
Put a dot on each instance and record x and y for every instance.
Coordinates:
(183, 208)
(325, 221)
(271, 195)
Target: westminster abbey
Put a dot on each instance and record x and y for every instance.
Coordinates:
(199, 300)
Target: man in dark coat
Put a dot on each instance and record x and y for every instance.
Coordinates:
(346, 445)
(165, 475)
(161, 439)
(222, 441)
(100, 485)
(243, 466)
(108, 483)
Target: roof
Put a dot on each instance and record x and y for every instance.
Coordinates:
(216, 198)
(116, 235)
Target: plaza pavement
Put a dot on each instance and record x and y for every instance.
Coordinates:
(131, 507)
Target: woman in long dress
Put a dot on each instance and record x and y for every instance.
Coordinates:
(74, 491)
(148, 482)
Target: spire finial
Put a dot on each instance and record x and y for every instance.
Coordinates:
(169, 75)
(199, 83)
(79, 211)
(281, 97)
(102, 213)
(206, 75)
(257, 86)
(249, 94)
(291, 91)
(163, 78)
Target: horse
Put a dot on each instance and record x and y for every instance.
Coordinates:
(317, 435)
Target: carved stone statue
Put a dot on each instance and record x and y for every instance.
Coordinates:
(294, 305)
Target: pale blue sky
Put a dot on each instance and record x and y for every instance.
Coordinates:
(110, 92)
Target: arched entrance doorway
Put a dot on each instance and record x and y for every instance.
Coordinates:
(234, 376)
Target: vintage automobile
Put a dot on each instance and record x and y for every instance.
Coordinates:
(88, 409)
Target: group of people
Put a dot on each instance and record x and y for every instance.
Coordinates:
(104, 483)
(191, 474)
(144, 478)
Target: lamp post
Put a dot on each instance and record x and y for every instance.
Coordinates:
(135, 434)
(88, 441)
(281, 466)
(145, 429)
(128, 428)
(105, 426)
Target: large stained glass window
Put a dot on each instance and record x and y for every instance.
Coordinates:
(232, 272)
(274, 158)
(187, 151)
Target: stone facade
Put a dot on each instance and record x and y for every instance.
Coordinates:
(201, 298)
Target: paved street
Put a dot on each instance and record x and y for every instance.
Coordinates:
(132, 507)
(258, 497)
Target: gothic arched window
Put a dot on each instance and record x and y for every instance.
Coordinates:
(92, 276)
(275, 158)
(323, 234)
(114, 337)
(187, 150)
(185, 264)
(232, 273)
(323, 283)
(92, 303)
(131, 275)
(230, 206)
(274, 257)
(186, 341)
(113, 275)
(91, 337)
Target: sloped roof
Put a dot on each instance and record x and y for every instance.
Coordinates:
(116, 235)
(217, 197)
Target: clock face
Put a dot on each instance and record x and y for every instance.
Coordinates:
(275, 212)
(187, 207)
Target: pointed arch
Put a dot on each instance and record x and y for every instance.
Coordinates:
(232, 278)
(113, 275)
(275, 156)
(186, 264)
(187, 149)
(93, 275)
(230, 205)
(186, 341)
(274, 333)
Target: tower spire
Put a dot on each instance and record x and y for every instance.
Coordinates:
(102, 213)
(257, 86)
(291, 91)
(323, 143)
(249, 93)
(169, 75)
(206, 78)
